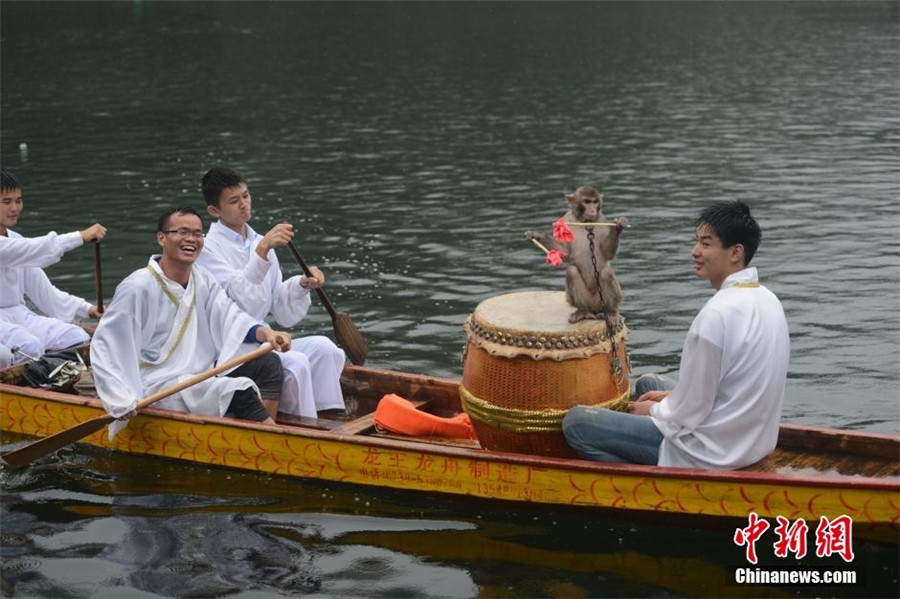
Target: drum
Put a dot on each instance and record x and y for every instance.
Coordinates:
(524, 366)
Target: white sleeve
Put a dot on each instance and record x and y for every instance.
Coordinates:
(291, 302)
(693, 398)
(38, 252)
(52, 301)
(245, 286)
(116, 350)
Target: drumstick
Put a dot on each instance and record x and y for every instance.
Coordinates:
(577, 224)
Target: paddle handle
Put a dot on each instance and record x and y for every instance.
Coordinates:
(44, 447)
(98, 279)
(199, 378)
(324, 298)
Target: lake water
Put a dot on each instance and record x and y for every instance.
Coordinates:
(412, 144)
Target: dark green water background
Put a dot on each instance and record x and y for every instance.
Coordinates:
(412, 144)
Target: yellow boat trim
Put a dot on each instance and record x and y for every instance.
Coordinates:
(527, 421)
(318, 457)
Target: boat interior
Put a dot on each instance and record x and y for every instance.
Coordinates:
(363, 389)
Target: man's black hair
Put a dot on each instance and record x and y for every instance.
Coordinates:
(216, 179)
(8, 181)
(163, 222)
(733, 224)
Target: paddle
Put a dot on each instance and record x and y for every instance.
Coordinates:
(348, 336)
(47, 445)
(98, 282)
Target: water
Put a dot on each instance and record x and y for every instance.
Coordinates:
(412, 145)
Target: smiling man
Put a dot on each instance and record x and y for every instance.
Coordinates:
(725, 410)
(170, 321)
(245, 264)
(21, 277)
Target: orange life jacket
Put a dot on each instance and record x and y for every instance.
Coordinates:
(399, 415)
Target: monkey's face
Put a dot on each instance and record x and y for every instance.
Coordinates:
(587, 207)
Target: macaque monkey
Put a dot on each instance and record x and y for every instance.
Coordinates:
(582, 293)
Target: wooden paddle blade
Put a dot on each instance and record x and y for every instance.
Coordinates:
(349, 338)
(47, 445)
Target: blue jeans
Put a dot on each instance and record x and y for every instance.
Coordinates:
(603, 435)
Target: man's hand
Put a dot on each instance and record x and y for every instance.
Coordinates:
(95, 232)
(279, 339)
(654, 395)
(640, 408)
(95, 313)
(315, 281)
(277, 236)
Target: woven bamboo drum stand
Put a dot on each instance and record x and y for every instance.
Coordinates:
(524, 366)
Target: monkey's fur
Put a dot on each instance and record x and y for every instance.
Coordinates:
(585, 205)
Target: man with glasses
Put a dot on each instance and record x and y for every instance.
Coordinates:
(245, 264)
(21, 262)
(170, 321)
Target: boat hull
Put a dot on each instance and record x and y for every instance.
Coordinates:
(410, 465)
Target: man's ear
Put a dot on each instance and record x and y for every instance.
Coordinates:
(160, 238)
(737, 253)
(212, 211)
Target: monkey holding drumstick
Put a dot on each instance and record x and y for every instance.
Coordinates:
(588, 248)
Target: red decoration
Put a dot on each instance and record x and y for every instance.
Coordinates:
(562, 232)
(555, 257)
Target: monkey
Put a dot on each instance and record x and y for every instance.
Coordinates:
(582, 292)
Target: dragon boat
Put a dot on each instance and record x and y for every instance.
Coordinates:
(813, 473)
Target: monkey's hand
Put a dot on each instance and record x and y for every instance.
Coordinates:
(531, 236)
(621, 223)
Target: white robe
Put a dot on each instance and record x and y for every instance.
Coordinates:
(725, 410)
(313, 366)
(156, 333)
(21, 261)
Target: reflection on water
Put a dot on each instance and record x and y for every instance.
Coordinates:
(412, 144)
(115, 525)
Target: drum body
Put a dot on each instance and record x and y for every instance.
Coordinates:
(524, 366)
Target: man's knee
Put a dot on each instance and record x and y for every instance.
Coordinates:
(576, 421)
(294, 361)
(266, 371)
(652, 382)
(24, 347)
(6, 357)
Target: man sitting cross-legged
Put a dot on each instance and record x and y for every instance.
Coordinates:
(21, 276)
(245, 264)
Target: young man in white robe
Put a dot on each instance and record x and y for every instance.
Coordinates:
(170, 321)
(21, 261)
(245, 264)
(724, 412)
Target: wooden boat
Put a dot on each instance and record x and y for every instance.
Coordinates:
(813, 473)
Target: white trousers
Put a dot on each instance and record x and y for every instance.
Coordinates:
(35, 334)
(312, 376)
(6, 357)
